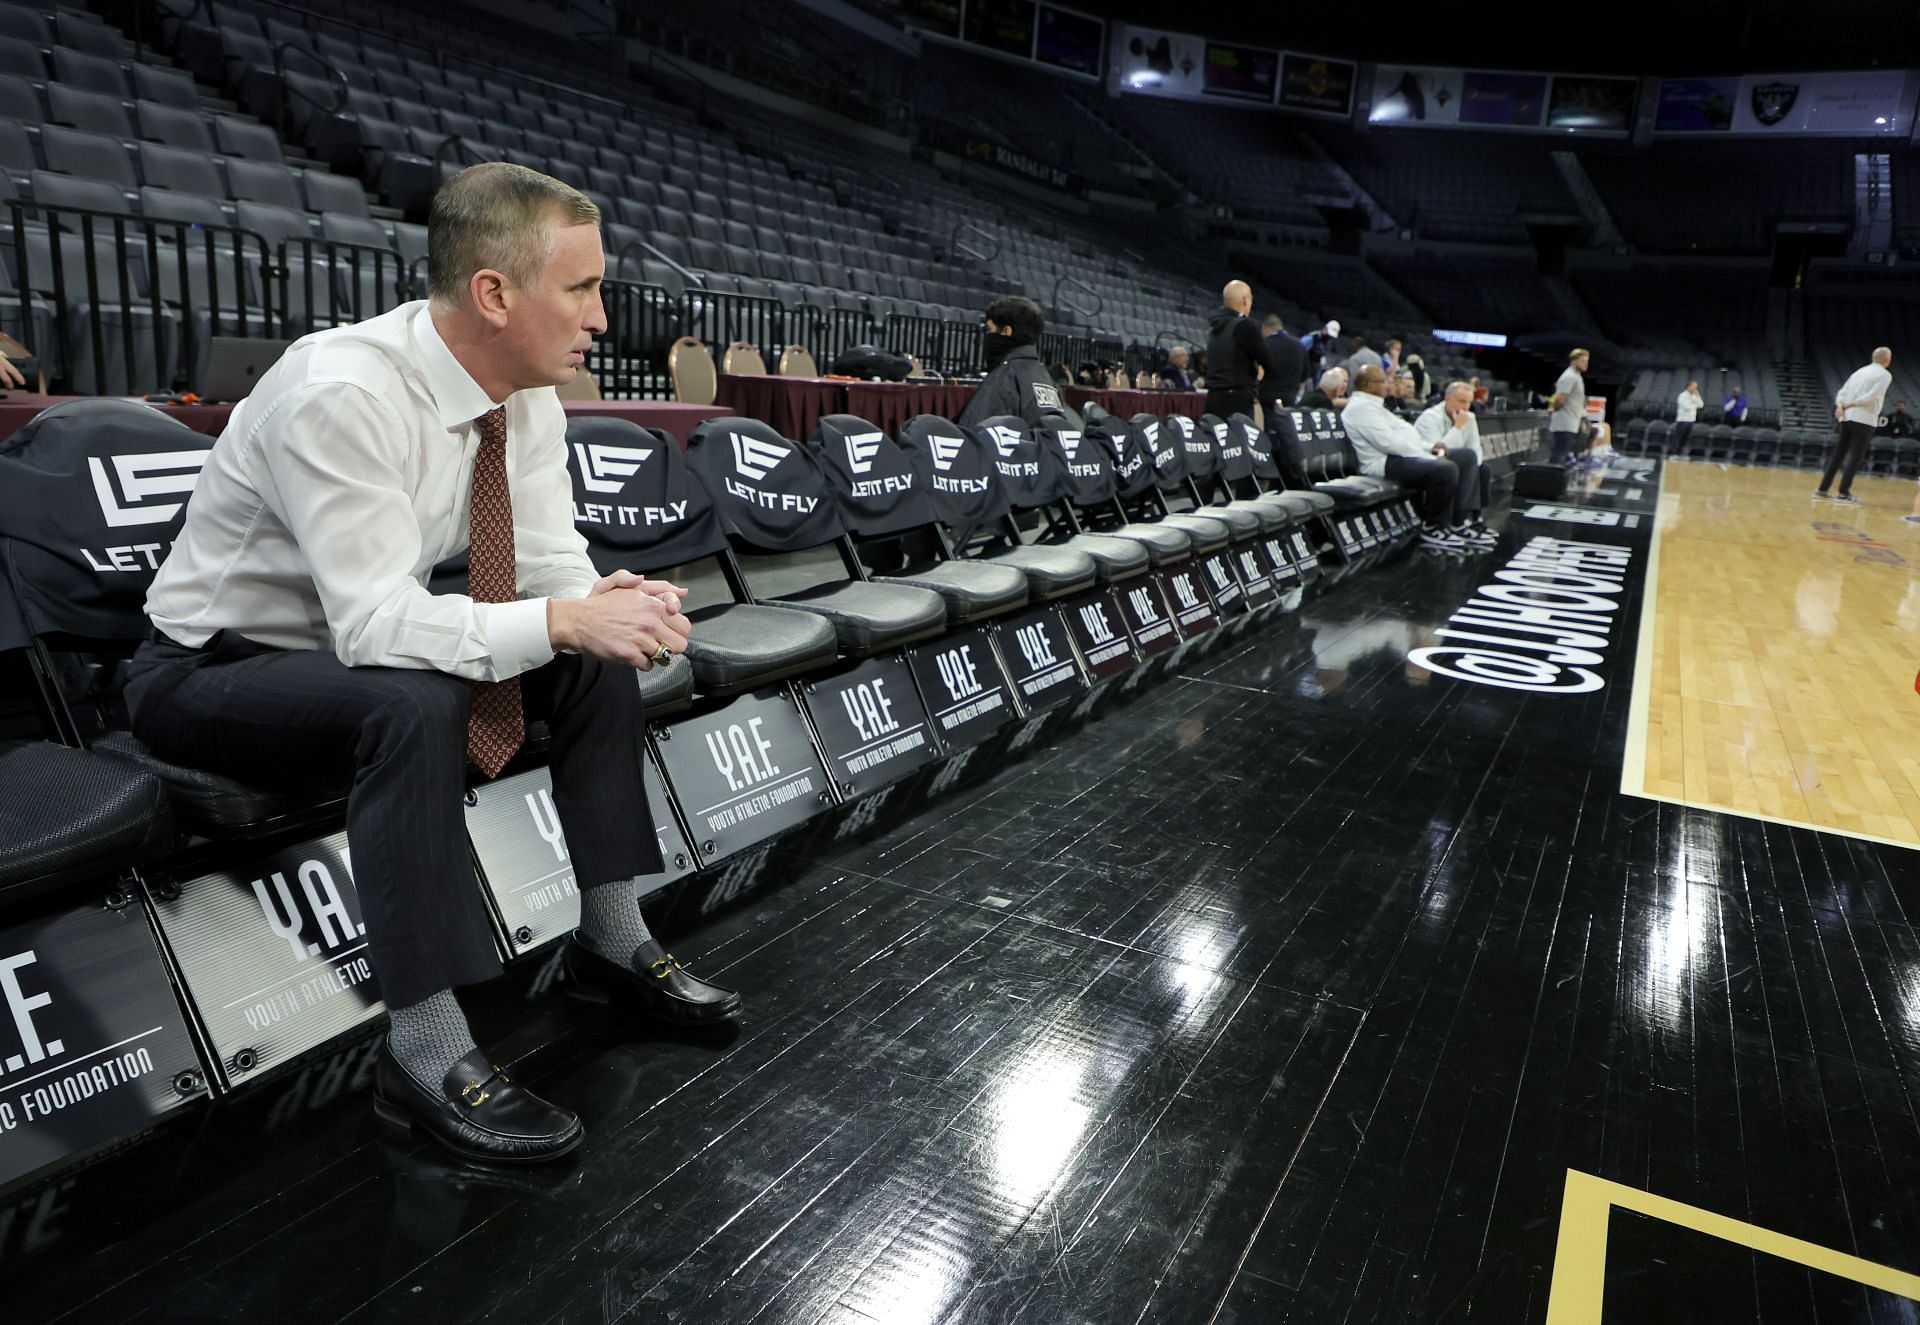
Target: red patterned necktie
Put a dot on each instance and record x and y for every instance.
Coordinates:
(495, 725)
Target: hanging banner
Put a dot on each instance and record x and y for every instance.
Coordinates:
(1696, 105)
(1000, 25)
(1850, 104)
(1245, 73)
(1308, 82)
(1067, 39)
(1581, 102)
(1407, 94)
(1505, 99)
(1162, 64)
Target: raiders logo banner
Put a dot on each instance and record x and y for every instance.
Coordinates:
(968, 695)
(743, 773)
(273, 951)
(872, 726)
(92, 1043)
(525, 866)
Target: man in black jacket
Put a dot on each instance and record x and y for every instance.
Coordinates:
(1017, 382)
(1282, 382)
(1236, 354)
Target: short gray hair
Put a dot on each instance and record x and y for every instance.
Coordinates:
(1332, 378)
(1458, 385)
(495, 215)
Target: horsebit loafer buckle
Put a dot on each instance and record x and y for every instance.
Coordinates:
(474, 1101)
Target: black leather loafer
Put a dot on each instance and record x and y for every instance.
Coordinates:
(656, 985)
(478, 1113)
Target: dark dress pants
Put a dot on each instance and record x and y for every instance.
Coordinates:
(1436, 480)
(302, 720)
(1851, 446)
(1225, 402)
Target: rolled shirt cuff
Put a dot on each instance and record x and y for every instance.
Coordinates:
(516, 635)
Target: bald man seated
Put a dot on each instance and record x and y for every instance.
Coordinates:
(1390, 447)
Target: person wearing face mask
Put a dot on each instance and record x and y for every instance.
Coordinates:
(1017, 382)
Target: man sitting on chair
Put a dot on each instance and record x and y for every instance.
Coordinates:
(296, 642)
(1389, 447)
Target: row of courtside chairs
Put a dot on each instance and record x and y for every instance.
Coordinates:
(1790, 448)
(874, 615)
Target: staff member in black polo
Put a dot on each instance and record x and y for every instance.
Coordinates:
(1237, 354)
(295, 636)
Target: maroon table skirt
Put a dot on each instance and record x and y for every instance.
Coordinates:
(675, 418)
(790, 405)
(1126, 404)
(888, 405)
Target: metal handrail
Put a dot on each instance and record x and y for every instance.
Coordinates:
(1065, 285)
(957, 242)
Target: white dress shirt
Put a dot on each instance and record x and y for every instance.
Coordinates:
(1377, 432)
(1864, 393)
(342, 481)
(1435, 427)
(1687, 406)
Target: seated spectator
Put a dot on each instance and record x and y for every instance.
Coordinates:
(1686, 408)
(1481, 396)
(1735, 410)
(1404, 402)
(1422, 379)
(1179, 375)
(1389, 447)
(1390, 357)
(1330, 394)
(1319, 346)
(1899, 423)
(1062, 375)
(1363, 357)
(1017, 382)
(1450, 424)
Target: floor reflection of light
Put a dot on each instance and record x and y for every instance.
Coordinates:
(916, 1294)
(1676, 931)
(1037, 1119)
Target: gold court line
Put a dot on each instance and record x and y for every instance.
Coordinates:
(1580, 1255)
(1633, 766)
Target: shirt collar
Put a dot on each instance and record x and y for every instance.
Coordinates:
(457, 398)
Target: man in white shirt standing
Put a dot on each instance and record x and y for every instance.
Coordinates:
(1388, 447)
(1686, 408)
(1449, 428)
(1857, 408)
(296, 642)
(1569, 421)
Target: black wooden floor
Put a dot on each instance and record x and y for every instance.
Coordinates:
(1287, 991)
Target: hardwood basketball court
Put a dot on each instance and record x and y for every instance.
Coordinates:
(1778, 649)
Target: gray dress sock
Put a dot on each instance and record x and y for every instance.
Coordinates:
(430, 1037)
(610, 919)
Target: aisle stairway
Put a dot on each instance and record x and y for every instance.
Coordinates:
(1803, 404)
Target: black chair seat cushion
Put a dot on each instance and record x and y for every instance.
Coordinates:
(1209, 533)
(1244, 524)
(213, 803)
(1165, 545)
(1272, 518)
(1383, 488)
(737, 647)
(1347, 497)
(872, 618)
(1113, 558)
(65, 811)
(1301, 505)
(1052, 572)
(666, 689)
(973, 590)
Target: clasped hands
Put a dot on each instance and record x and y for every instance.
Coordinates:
(623, 619)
